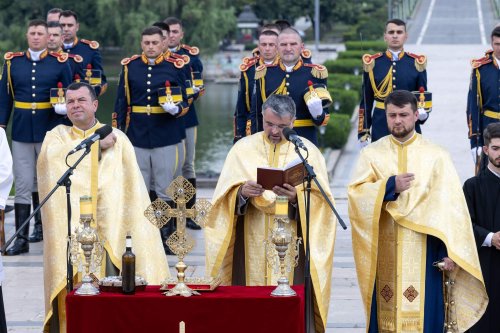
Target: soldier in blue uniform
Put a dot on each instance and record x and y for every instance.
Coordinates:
(268, 54)
(87, 49)
(385, 72)
(54, 44)
(291, 76)
(27, 78)
(153, 127)
(483, 100)
(191, 57)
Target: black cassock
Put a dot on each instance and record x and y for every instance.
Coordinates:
(483, 199)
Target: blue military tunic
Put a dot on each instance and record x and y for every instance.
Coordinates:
(137, 110)
(483, 102)
(25, 85)
(274, 79)
(245, 91)
(89, 51)
(193, 64)
(382, 75)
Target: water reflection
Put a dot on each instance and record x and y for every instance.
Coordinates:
(215, 133)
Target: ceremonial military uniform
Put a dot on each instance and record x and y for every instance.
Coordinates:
(245, 91)
(483, 102)
(274, 79)
(25, 85)
(154, 133)
(382, 75)
(89, 51)
(75, 62)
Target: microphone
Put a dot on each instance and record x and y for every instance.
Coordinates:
(99, 134)
(292, 136)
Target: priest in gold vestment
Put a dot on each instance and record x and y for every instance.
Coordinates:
(110, 175)
(242, 214)
(408, 212)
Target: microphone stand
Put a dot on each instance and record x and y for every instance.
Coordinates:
(66, 181)
(311, 176)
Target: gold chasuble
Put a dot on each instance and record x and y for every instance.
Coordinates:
(389, 238)
(241, 165)
(119, 198)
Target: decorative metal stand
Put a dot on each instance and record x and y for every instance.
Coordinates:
(92, 248)
(282, 257)
(181, 243)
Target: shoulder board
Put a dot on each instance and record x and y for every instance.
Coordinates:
(476, 63)
(193, 50)
(10, 55)
(61, 57)
(126, 61)
(420, 61)
(318, 71)
(92, 43)
(306, 53)
(178, 63)
(183, 57)
(369, 61)
(75, 57)
(260, 71)
(248, 62)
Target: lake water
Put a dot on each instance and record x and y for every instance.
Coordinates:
(215, 112)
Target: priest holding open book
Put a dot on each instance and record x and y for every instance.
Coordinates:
(243, 210)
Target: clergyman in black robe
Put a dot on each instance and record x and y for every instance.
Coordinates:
(482, 193)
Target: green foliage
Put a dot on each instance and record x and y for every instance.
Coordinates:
(347, 99)
(345, 66)
(368, 46)
(337, 131)
(338, 81)
(352, 54)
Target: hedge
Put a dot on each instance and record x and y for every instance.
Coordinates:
(337, 131)
(348, 100)
(345, 66)
(366, 46)
(338, 81)
(354, 54)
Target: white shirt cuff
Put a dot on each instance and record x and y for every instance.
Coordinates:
(487, 240)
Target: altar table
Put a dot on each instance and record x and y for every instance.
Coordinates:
(228, 309)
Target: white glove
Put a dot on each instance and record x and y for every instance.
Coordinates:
(60, 108)
(196, 89)
(476, 152)
(422, 114)
(315, 106)
(363, 143)
(171, 108)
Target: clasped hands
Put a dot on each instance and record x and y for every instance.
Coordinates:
(250, 189)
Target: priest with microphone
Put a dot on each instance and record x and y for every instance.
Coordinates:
(111, 176)
(243, 210)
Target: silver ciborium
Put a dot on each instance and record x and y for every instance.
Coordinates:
(282, 248)
(86, 236)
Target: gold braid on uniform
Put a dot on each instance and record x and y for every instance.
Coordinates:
(479, 95)
(384, 88)
(281, 90)
(260, 74)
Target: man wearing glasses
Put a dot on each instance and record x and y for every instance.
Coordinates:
(243, 210)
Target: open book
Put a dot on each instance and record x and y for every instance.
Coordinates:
(293, 174)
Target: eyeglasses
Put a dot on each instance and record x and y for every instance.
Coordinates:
(273, 126)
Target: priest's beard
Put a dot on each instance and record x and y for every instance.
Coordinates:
(494, 162)
(401, 131)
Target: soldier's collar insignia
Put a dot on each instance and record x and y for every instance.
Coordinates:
(401, 54)
(295, 67)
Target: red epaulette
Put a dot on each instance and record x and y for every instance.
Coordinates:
(193, 50)
(61, 57)
(248, 62)
(76, 57)
(184, 57)
(126, 61)
(476, 63)
(92, 43)
(178, 63)
(369, 61)
(10, 55)
(421, 59)
(306, 54)
(318, 71)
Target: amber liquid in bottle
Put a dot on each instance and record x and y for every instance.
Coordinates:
(128, 268)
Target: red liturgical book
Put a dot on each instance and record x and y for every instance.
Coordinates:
(293, 173)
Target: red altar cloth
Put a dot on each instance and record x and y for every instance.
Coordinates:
(228, 309)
